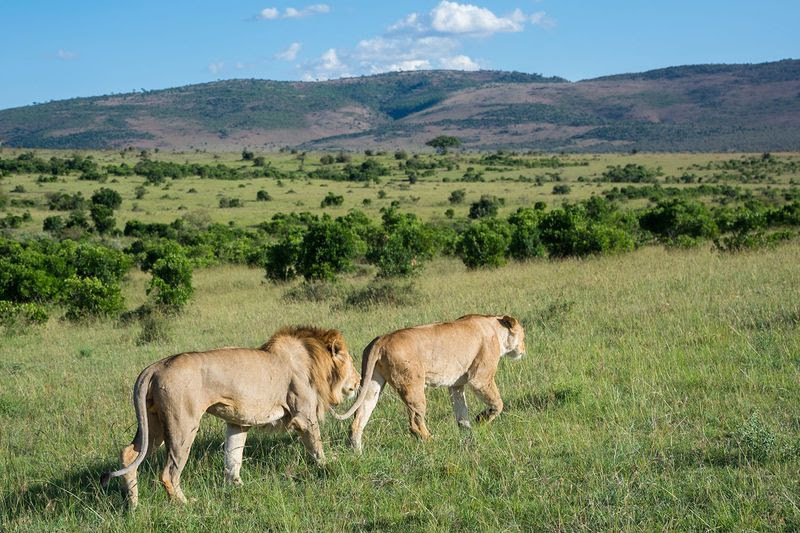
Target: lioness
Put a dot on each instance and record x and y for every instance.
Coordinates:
(449, 354)
(288, 382)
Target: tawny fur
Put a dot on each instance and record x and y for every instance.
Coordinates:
(458, 354)
(289, 383)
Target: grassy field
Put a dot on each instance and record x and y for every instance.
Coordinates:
(428, 197)
(660, 391)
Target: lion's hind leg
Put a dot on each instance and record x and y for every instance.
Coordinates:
(460, 406)
(131, 452)
(179, 436)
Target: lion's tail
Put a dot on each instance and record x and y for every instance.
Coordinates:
(140, 389)
(369, 359)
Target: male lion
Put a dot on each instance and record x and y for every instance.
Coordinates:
(449, 354)
(288, 382)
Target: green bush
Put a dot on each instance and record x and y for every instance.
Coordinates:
(526, 241)
(332, 199)
(484, 244)
(571, 231)
(89, 297)
(402, 246)
(53, 224)
(678, 218)
(171, 284)
(15, 315)
(457, 196)
(487, 206)
(103, 218)
(283, 257)
(263, 196)
(107, 197)
(328, 248)
(383, 293)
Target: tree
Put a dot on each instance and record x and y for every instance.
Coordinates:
(484, 243)
(328, 249)
(103, 218)
(443, 142)
(107, 197)
(457, 196)
(487, 206)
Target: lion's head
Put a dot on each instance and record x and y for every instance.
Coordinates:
(331, 368)
(515, 342)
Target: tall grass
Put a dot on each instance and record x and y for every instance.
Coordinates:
(660, 391)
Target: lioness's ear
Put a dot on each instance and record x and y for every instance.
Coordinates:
(508, 321)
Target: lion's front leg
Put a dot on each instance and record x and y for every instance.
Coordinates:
(235, 437)
(490, 395)
(308, 428)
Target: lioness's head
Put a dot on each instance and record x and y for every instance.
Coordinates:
(347, 378)
(515, 342)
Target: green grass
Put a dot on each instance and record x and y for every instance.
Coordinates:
(659, 391)
(427, 198)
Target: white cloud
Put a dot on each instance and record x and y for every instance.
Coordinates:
(290, 53)
(409, 22)
(452, 17)
(423, 41)
(459, 62)
(269, 13)
(216, 67)
(272, 13)
(541, 19)
(66, 55)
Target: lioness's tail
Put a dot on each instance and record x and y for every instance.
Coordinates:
(369, 358)
(140, 389)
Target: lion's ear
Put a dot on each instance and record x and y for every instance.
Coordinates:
(508, 322)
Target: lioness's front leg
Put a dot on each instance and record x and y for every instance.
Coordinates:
(490, 395)
(235, 437)
(308, 428)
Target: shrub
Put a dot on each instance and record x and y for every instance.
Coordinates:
(15, 316)
(756, 440)
(313, 291)
(332, 199)
(89, 297)
(282, 258)
(263, 196)
(526, 241)
(457, 196)
(678, 218)
(562, 189)
(226, 202)
(569, 231)
(103, 218)
(402, 246)
(383, 293)
(107, 197)
(53, 224)
(487, 206)
(328, 248)
(484, 244)
(171, 284)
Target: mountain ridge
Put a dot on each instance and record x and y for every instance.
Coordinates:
(689, 107)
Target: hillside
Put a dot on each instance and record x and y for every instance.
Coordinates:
(699, 107)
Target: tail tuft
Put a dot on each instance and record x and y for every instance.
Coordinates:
(104, 479)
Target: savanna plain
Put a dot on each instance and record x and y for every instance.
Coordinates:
(659, 391)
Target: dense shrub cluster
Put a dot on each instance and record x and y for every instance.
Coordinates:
(83, 277)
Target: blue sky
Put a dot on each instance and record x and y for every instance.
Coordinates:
(56, 49)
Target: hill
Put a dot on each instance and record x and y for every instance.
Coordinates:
(698, 107)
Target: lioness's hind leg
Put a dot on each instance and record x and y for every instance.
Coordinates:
(490, 395)
(414, 398)
(235, 437)
(131, 452)
(179, 438)
(460, 406)
(374, 388)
